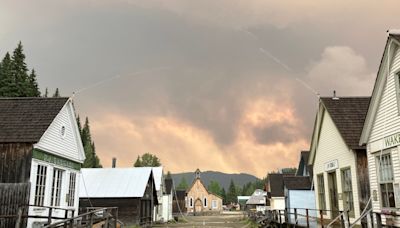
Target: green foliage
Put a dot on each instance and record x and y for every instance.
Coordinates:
(15, 80)
(91, 161)
(147, 160)
(56, 93)
(249, 188)
(289, 170)
(183, 185)
(231, 196)
(215, 188)
(223, 195)
(169, 175)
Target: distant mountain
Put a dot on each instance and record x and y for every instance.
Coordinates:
(223, 179)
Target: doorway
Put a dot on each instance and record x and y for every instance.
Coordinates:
(333, 194)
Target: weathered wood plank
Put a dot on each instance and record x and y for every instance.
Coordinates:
(13, 196)
(15, 162)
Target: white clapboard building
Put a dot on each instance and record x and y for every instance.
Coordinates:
(45, 131)
(340, 172)
(381, 135)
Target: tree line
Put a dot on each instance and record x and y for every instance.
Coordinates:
(16, 80)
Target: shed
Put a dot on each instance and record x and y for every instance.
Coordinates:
(258, 201)
(132, 190)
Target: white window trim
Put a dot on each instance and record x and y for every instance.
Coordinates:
(214, 204)
(397, 88)
(191, 202)
(377, 164)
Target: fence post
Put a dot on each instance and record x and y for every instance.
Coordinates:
(49, 218)
(286, 214)
(346, 219)
(321, 215)
(307, 218)
(341, 218)
(369, 220)
(280, 218)
(65, 217)
(295, 216)
(378, 220)
(19, 218)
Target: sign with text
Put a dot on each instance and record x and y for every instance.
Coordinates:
(331, 165)
(54, 159)
(392, 140)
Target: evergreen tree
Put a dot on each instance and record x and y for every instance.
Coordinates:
(56, 93)
(215, 188)
(91, 161)
(46, 93)
(33, 89)
(223, 195)
(231, 196)
(169, 175)
(8, 86)
(183, 185)
(19, 71)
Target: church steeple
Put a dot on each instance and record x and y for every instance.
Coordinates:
(197, 174)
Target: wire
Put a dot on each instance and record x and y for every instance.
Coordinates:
(84, 185)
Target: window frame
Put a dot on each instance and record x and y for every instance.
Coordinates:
(205, 203)
(190, 202)
(397, 87)
(71, 189)
(40, 185)
(214, 204)
(56, 187)
(387, 152)
(350, 192)
(321, 200)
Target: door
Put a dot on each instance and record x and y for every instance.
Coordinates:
(333, 194)
(198, 206)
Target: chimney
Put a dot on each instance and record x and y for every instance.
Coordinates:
(114, 162)
(334, 96)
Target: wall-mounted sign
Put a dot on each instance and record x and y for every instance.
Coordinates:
(331, 165)
(392, 140)
(53, 159)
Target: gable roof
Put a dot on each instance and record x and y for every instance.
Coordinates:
(158, 176)
(297, 183)
(276, 184)
(380, 81)
(348, 114)
(304, 163)
(114, 182)
(257, 198)
(25, 119)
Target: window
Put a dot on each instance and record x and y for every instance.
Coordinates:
(191, 202)
(56, 187)
(386, 180)
(214, 204)
(348, 201)
(321, 192)
(71, 189)
(205, 202)
(40, 185)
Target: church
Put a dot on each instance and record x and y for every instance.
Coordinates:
(199, 199)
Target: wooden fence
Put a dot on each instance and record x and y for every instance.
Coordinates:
(13, 198)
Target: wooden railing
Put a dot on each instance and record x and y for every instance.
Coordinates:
(107, 217)
(23, 213)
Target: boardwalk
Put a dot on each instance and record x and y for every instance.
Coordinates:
(235, 221)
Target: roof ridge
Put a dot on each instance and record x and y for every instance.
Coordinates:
(31, 98)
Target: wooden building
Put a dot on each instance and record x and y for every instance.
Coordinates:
(199, 199)
(275, 189)
(162, 211)
(340, 171)
(178, 202)
(257, 201)
(41, 149)
(381, 135)
(132, 190)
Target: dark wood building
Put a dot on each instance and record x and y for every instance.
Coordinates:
(179, 202)
(132, 190)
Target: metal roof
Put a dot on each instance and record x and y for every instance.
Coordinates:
(258, 198)
(114, 182)
(158, 173)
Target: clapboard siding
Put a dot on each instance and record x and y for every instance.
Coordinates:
(387, 120)
(331, 146)
(67, 146)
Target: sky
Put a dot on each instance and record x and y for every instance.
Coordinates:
(222, 85)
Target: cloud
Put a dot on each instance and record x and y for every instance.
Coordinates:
(184, 147)
(340, 68)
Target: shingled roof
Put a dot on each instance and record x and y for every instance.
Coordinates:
(348, 114)
(26, 119)
(297, 183)
(276, 184)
